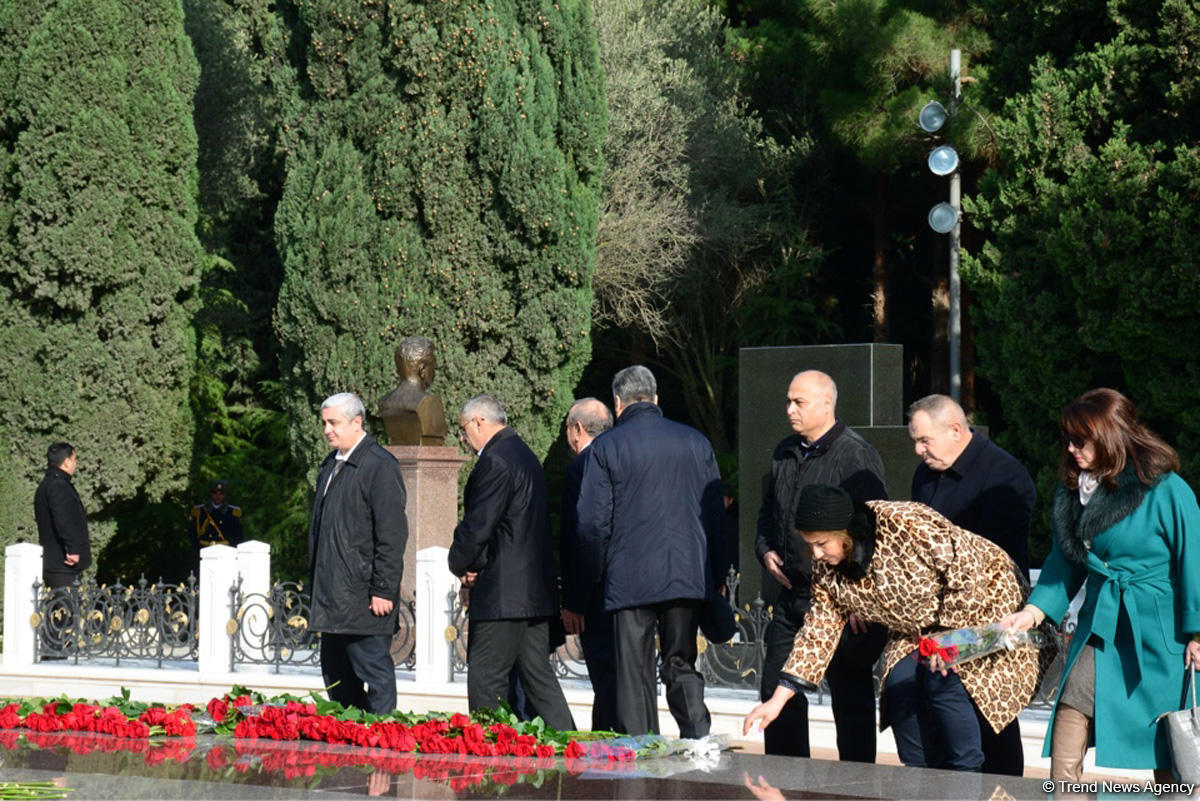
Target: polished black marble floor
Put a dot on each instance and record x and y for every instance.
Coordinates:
(207, 767)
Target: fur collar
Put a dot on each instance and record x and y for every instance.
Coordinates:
(862, 531)
(1076, 525)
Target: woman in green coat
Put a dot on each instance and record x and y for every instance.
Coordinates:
(1125, 523)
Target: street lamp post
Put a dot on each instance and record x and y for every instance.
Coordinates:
(955, 242)
(946, 218)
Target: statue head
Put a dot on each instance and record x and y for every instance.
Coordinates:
(415, 361)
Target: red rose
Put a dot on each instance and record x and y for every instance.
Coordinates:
(459, 721)
(927, 647)
(218, 708)
(574, 751)
(9, 717)
(950, 653)
(544, 751)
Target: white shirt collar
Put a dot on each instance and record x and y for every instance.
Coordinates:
(341, 457)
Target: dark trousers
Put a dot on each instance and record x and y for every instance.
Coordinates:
(1003, 752)
(637, 704)
(851, 688)
(600, 653)
(600, 657)
(494, 647)
(55, 579)
(933, 719)
(350, 661)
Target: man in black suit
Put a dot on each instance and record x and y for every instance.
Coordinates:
(583, 612)
(504, 553)
(356, 545)
(61, 521)
(981, 487)
(650, 529)
(66, 549)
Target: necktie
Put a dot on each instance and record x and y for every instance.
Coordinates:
(337, 468)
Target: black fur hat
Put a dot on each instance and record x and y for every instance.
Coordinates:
(822, 508)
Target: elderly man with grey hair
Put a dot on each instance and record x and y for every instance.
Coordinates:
(504, 553)
(583, 611)
(650, 527)
(979, 486)
(356, 542)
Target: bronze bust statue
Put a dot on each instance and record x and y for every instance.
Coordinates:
(411, 414)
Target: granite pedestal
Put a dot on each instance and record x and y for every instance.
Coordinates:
(431, 481)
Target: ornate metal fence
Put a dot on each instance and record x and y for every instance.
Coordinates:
(272, 629)
(87, 621)
(736, 664)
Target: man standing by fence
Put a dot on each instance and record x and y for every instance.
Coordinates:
(504, 554)
(356, 545)
(583, 603)
(61, 521)
(650, 523)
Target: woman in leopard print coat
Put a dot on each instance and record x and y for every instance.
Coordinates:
(905, 566)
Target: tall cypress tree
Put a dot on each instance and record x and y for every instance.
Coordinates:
(98, 252)
(1091, 272)
(444, 163)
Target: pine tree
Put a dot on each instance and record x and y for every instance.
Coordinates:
(98, 252)
(443, 168)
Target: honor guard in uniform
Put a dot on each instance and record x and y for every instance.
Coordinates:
(215, 522)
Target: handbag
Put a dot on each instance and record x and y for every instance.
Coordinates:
(1183, 735)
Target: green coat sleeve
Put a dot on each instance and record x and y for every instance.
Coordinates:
(1059, 581)
(1180, 518)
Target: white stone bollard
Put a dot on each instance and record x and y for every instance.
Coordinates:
(254, 566)
(218, 572)
(434, 583)
(22, 567)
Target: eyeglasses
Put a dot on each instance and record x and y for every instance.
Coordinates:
(1074, 442)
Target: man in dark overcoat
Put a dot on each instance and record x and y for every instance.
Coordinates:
(61, 521)
(504, 553)
(650, 526)
(979, 486)
(583, 604)
(356, 545)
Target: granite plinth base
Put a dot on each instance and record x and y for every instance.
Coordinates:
(431, 482)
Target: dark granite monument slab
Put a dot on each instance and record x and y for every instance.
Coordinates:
(870, 382)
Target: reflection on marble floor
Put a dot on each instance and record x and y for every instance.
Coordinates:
(217, 767)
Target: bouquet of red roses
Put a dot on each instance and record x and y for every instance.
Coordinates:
(962, 645)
